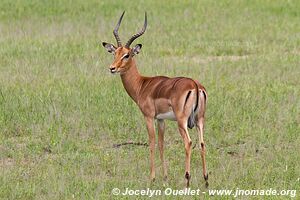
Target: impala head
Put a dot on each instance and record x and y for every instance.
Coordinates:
(123, 54)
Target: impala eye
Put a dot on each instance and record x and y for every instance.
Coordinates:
(126, 56)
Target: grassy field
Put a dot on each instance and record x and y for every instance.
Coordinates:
(61, 111)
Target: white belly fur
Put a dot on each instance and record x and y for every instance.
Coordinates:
(168, 115)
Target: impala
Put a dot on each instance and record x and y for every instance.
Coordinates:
(179, 99)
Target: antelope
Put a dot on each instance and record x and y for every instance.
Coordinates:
(161, 98)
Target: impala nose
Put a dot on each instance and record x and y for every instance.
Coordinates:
(112, 69)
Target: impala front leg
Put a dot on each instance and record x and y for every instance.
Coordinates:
(161, 131)
(151, 134)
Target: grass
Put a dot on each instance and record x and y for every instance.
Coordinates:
(61, 111)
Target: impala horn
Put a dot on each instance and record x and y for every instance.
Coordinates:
(138, 34)
(115, 32)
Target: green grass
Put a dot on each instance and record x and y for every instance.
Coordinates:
(61, 111)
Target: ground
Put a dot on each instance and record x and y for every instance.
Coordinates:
(61, 111)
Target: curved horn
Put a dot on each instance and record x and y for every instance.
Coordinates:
(115, 32)
(138, 34)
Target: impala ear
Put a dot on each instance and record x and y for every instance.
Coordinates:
(136, 50)
(109, 47)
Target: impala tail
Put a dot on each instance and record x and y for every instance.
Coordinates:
(192, 117)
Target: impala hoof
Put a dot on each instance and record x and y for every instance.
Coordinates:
(206, 180)
(188, 178)
(206, 177)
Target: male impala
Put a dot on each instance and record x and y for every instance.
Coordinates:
(180, 99)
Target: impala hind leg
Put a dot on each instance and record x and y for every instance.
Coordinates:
(161, 131)
(200, 131)
(188, 149)
(151, 134)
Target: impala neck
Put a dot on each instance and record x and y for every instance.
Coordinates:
(132, 80)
